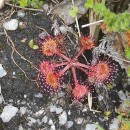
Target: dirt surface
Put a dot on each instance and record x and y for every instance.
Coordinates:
(20, 91)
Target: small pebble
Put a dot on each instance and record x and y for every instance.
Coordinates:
(63, 29)
(31, 120)
(1, 99)
(90, 127)
(45, 119)
(114, 125)
(79, 120)
(11, 25)
(22, 110)
(59, 110)
(2, 71)
(53, 127)
(84, 109)
(52, 108)
(63, 118)
(121, 95)
(38, 113)
(8, 113)
(100, 97)
(21, 14)
(42, 35)
(20, 127)
(61, 94)
(38, 95)
(45, 7)
(25, 96)
(39, 122)
(50, 122)
(69, 124)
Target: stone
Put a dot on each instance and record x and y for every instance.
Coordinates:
(52, 108)
(59, 110)
(2, 71)
(21, 14)
(70, 124)
(90, 127)
(121, 95)
(22, 110)
(63, 118)
(11, 25)
(45, 119)
(38, 95)
(8, 113)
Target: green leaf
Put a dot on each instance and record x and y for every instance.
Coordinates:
(89, 4)
(73, 12)
(31, 43)
(35, 47)
(23, 3)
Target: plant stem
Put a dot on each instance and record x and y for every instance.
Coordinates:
(61, 64)
(64, 70)
(62, 55)
(74, 75)
(82, 65)
(79, 53)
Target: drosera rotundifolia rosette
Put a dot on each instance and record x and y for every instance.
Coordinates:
(51, 74)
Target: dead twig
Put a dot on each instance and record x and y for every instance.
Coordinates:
(89, 24)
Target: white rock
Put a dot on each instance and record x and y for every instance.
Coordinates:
(25, 96)
(45, 7)
(64, 86)
(38, 113)
(2, 71)
(20, 127)
(59, 110)
(39, 122)
(11, 25)
(79, 120)
(1, 4)
(70, 124)
(114, 125)
(42, 35)
(52, 108)
(38, 95)
(63, 29)
(8, 113)
(90, 127)
(100, 97)
(22, 110)
(31, 120)
(63, 118)
(1, 99)
(121, 95)
(45, 119)
(61, 94)
(21, 14)
(53, 127)
(84, 109)
(50, 122)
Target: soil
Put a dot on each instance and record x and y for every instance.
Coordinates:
(20, 91)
